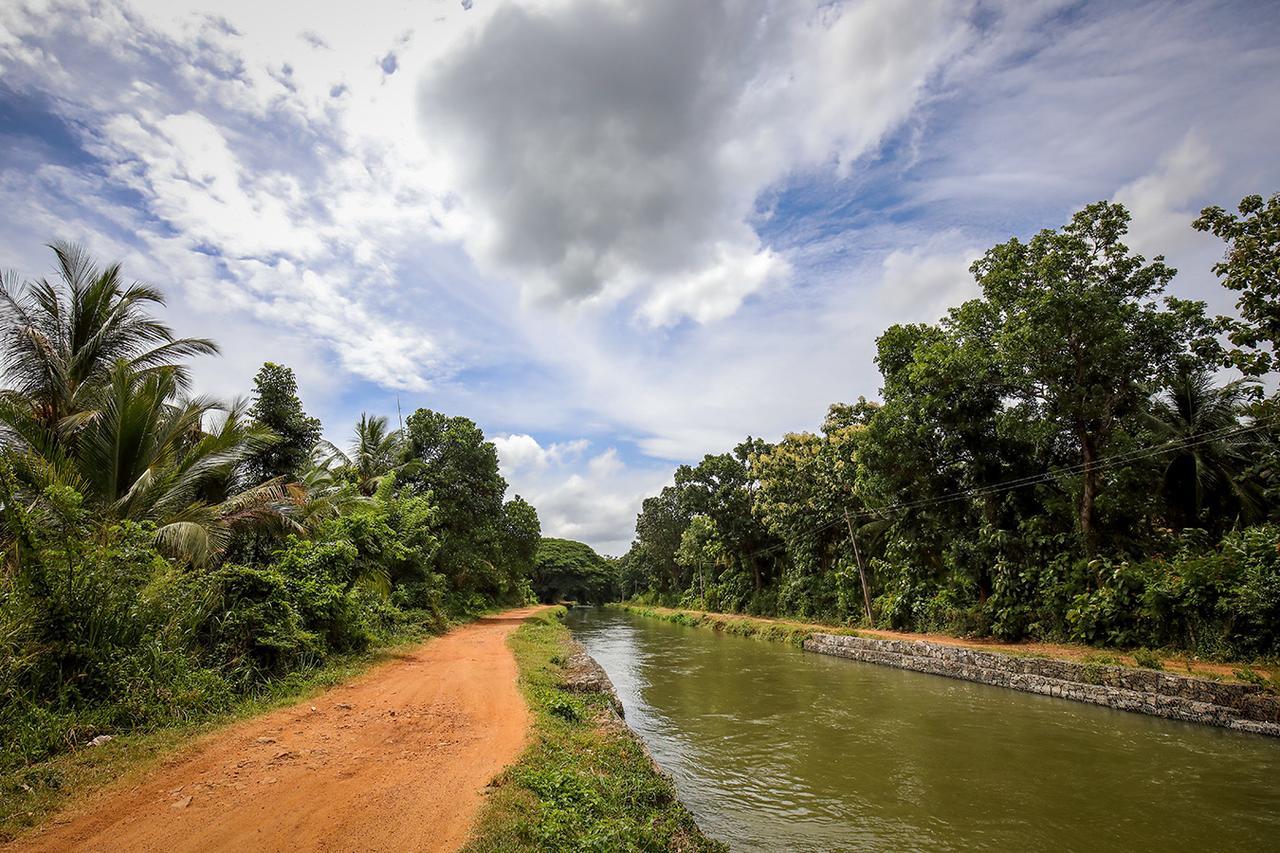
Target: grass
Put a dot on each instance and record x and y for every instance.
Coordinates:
(586, 782)
(31, 795)
(776, 630)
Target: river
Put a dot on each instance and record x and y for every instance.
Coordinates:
(773, 748)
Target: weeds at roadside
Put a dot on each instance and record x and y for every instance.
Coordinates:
(1147, 659)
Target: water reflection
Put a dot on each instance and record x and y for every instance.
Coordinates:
(776, 749)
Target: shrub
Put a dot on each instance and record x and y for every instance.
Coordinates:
(1147, 659)
(256, 631)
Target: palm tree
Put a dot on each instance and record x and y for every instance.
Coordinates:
(61, 339)
(146, 455)
(1208, 467)
(373, 453)
(321, 492)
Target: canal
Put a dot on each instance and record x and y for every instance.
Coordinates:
(773, 748)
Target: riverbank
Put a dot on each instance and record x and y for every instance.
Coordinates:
(1240, 704)
(796, 631)
(585, 782)
(397, 758)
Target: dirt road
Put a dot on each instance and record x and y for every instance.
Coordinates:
(396, 760)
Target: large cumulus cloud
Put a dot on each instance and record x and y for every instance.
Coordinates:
(602, 149)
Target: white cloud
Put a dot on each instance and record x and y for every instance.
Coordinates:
(594, 500)
(521, 452)
(920, 283)
(1163, 203)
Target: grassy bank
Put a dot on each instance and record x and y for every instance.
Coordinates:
(784, 630)
(31, 794)
(585, 782)
(776, 630)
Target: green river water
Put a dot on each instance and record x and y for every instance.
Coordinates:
(773, 748)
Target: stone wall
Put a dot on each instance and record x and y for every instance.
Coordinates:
(1236, 706)
(583, 674)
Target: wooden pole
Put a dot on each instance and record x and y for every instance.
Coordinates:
(862, 572)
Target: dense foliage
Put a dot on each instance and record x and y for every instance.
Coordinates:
(564, 570)
(1058, 458)
(167, 554)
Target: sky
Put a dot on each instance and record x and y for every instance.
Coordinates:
(617, 235)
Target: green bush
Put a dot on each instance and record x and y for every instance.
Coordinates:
(1147, 659)
(256, 631)
(1217, 602)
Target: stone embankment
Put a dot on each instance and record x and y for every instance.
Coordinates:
(582, 674)
(1245, 707)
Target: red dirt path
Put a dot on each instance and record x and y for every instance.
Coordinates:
(396, 760)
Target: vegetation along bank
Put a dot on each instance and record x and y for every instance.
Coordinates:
(1249, 701)
(586, 782)
(1072, 456)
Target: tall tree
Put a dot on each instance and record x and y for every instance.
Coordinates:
(453, 463)
(565, 569)
(658, 529)
(1080, 334)
(522, 533)
(148, 455)
(1206, 481)
(276, 407)
(373, 453)
(723, 488)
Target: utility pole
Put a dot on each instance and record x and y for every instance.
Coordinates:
(862, 572)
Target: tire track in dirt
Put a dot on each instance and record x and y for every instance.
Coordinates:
(396, 760)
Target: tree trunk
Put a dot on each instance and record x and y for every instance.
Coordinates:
(1088, 494)
(862, 572)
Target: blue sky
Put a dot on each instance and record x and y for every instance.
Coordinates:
(617, 235)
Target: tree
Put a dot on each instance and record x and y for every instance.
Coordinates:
(1251, 267)
(1206, 479)
(373, 453)
(1080, 335)
(722, 487)
(60, 340)
(277, 408)
(147, 456)
(450, 460)
(946, 430)
(567, 570)
(658, 529)
(523, 533)
(702, 552)
(808, 499)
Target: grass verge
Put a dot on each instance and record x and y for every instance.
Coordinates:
(776, 630)
(586, 782)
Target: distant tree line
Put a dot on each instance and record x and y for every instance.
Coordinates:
(1062, 457)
